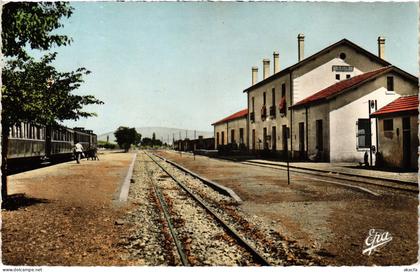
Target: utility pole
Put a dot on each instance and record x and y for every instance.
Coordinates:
(194, 143)
(370, 129)
(288, 171)
(173, 140)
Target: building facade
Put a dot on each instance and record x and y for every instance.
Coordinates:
(348, 77)
(319, 106)
(398, 132)
(194, 145)
(231, 130)
(337, 118)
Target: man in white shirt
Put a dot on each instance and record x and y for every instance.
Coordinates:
(78, 148)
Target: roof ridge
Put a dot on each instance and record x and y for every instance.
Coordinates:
(314, 55)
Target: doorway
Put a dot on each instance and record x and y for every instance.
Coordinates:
(302, 140)
(253, 139)
(284, 134)
(274, 138)
(265, 142)
(406, 142)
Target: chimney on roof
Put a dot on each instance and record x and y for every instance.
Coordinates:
(381, 47)
(301, 42)
(254, 74)
(266, 68)
(276, 65)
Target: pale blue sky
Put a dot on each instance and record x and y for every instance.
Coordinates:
(185, 65)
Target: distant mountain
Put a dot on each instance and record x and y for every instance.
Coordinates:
(162, 133)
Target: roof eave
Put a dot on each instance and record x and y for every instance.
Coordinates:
(226, 121)
(394, 113)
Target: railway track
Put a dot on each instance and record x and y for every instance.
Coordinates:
(169, 194)
(371, 182)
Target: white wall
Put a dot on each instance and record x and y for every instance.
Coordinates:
(343, 130)
(318, 79)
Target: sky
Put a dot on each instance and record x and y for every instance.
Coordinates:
(185, 65)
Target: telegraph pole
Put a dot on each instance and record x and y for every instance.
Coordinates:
(370, 105)
(288, 170)
(180, 143)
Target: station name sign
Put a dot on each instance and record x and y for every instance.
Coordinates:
(342, 68)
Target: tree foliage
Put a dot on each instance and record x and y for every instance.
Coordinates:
(31, 24)
(106, 145)
(126, 137)
(151, 142)
(34, 91)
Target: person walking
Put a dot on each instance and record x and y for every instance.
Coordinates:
(78, 148)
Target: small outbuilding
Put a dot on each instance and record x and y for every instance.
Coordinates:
(397, 132)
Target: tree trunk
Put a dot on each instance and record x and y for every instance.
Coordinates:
(4, 150)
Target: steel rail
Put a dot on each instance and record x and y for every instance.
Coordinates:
(172, 230)
(407, 186)
(255, 254)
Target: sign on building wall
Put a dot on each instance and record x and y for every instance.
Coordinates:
(342, 68)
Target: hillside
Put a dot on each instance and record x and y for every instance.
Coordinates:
(162, 133)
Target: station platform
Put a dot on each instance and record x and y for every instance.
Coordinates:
(65, 214)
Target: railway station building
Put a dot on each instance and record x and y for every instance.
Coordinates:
(321, 105)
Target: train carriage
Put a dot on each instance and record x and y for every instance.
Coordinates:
(83, 137)
(26, 141)
(61, 143)
(30, 143)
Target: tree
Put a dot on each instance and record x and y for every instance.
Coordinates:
(138, 139)
(146, 142)
(151, 142)
(125, 137)
(31, 24)
(106, 144)
(34, 91)
(157, 143)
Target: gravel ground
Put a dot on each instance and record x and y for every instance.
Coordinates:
(329, 220)
(205, 242)
(147, 240)
(278, 249)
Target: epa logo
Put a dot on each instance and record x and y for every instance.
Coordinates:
(376, 239)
